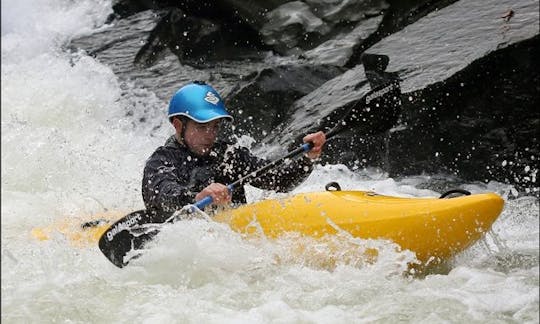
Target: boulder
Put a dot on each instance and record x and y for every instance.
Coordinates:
(468, 72)
(471, 74)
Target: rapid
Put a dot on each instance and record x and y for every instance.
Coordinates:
(69, 150)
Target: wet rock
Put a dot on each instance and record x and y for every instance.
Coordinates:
(468, 70)
(323, 108)
(339, 49)
(196, 41)
(198, 32)
(201, 31)
(465, 94)
(261, 101)
(471, 107)
(399, 14)
(293, 25)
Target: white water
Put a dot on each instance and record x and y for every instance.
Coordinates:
(68, 150)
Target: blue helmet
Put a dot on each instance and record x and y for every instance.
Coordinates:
(199, 102)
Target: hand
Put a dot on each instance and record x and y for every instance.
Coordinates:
(317, 139)
(219, 192)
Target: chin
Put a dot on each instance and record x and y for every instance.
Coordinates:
(204, 151)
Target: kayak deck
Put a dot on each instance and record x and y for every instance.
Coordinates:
(435, 229)
(430, 227)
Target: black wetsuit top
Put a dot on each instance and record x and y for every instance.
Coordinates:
(173, 175)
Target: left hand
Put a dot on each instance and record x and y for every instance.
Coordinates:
(317, 139)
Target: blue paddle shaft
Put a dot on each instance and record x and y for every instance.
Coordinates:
(208, 199)
(306, 147)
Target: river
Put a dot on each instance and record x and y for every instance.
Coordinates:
(69, 150)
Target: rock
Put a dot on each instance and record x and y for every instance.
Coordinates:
(398, 15)
(209, 31)
(262, 100)
(197, 41)
(338, 11)
(293, 26)
(472, 100)
(323, 108)
(468, 69)
(339, 49)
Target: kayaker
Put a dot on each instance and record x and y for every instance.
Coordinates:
(193, 163)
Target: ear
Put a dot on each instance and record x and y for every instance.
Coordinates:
(177, 123)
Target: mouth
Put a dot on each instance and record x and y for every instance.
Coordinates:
(204, 148)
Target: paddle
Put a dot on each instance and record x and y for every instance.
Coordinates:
(376, 111)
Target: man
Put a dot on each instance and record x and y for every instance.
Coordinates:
(194, 164)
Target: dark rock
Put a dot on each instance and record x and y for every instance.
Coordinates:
(196, 41)
(398, 15)
(293, 25)
(201, 31)
(126, 8)
(338, 49)
(485, 128)
(249, 11)
(298, 26)
(337, 11)
(468, 69)
(198, 32)
(323, 108)
(262, 100)
(472, 100)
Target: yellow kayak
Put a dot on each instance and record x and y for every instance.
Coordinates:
(81, 232)
(433, 228)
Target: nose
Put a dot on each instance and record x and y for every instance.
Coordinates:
(210, 133)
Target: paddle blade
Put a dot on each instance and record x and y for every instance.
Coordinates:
(378, 111)
(125, 238)
(375, 113)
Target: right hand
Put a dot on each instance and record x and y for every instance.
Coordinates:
(317, 139)
(219, 192)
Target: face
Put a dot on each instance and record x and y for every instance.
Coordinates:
(200, 138)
